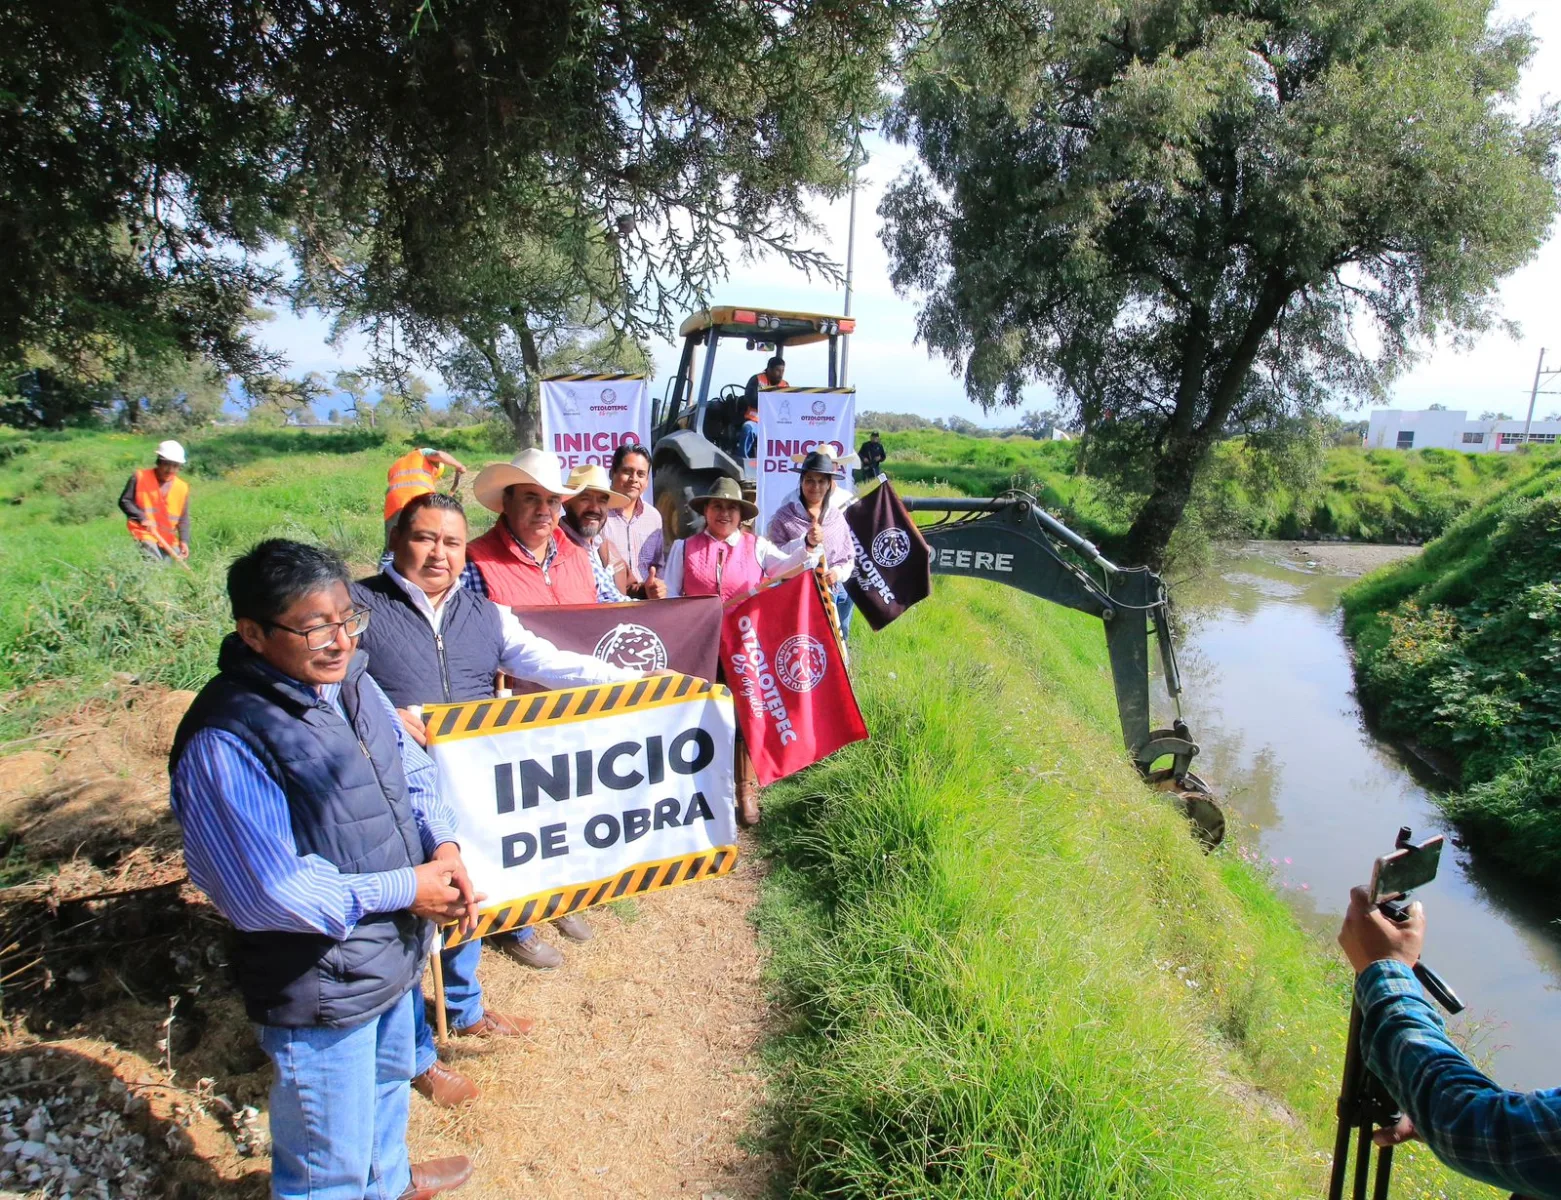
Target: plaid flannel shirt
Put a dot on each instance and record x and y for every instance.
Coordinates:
(1508, 1139)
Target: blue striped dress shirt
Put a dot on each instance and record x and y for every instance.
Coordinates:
(239, 845)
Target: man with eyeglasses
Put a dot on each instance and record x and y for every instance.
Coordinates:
(433, 641)
(312, 822)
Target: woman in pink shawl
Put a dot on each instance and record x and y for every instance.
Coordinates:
(810, 515)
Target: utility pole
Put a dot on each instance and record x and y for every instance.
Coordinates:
(845, 348)
(1539, 375)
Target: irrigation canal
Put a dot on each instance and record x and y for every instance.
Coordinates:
(1269, 697)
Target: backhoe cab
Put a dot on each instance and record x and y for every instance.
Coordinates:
(697, 430)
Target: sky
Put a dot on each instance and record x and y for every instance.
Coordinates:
(892, 373)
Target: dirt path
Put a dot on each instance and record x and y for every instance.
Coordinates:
(641, 1079)
(642, 1075)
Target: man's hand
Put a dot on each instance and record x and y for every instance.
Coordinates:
(449, 460)
(655, 589)
(1367, 936)
(437, 899)
(449, 854)
(1404, 1131)
(184, 550)
(413, 724)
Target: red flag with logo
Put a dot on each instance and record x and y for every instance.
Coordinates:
(788, 677)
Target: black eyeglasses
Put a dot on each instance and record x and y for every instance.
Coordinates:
(318, 637)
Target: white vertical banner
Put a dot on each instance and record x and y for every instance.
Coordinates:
(797, 420)
(586, 417)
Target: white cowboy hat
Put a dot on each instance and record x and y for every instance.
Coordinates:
(171, 451)
(529, 466)
(595, 479)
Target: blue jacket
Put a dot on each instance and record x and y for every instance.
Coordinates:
(348, 802)
(415, 665)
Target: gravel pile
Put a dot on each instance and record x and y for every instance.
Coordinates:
(70, 1137)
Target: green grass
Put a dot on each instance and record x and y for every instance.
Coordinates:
(1459, 649)
(983, 927)
(81, 605)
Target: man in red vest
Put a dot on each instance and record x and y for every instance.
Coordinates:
(525, 558)
(156, 504)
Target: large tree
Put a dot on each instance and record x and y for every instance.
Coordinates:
(1198, 217)
(488, 180)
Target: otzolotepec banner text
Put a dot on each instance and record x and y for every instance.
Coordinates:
(574, 798)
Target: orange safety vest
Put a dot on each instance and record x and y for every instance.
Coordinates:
(163, 509)
(409, 476)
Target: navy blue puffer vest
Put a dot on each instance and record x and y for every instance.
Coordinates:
(414, 664)
(348, 800)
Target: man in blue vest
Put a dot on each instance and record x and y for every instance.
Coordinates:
(432, 641)
(311, 821)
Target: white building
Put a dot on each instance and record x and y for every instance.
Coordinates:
(1402, 429)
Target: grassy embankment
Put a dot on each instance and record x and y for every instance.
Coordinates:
(1008, 969)
(79, 605)
(1459, 649)
(1005, 967)
(1361, 495)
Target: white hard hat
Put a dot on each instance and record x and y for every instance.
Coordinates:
(170, 451)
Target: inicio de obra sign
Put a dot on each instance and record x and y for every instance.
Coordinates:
(580, 797)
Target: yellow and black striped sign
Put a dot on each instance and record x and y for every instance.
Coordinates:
(810, 391)
(478, 718)
(589, 378)
(635, 881)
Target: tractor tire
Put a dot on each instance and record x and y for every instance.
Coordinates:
(676, 485)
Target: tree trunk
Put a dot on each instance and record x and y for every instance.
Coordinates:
(1156, 521)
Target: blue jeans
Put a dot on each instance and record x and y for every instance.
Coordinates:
(843, 609)
(462, 1000)
(339, 1107)
(750, 439)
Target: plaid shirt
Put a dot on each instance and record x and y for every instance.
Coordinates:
(1508, 1139)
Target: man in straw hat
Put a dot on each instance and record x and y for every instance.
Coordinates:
(525, 558)
(584, 523)
(156, 503)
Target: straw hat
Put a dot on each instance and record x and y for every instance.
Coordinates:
(595, 479)
(725, 488)
(529, 466)
(820, 460)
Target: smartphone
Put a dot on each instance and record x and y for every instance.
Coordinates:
(1401, 872)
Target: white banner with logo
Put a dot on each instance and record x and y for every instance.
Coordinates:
(795, 421)
(580, 797)
(586, 417)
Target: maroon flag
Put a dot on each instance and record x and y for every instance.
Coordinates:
(893, 562)
(683, 635)
(788, 677)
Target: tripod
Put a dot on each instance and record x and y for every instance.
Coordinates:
(1364, 1104)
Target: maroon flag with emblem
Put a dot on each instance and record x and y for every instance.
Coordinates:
(683, 635)
(893, 562)
(788, 677)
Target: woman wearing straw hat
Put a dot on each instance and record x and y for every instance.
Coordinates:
(724, 559)
(810, 515)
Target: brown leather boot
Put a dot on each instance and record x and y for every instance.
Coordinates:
(573, 927)
(747, 788)
(437, 1175)
(445, 1088)
(495, 1025)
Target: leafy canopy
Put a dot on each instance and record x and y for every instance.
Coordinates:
(1199, 217)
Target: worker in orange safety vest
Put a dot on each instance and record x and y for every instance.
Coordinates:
(156, 504)
(414, 474)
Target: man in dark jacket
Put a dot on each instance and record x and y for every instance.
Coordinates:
(433, 641)
(311, 821)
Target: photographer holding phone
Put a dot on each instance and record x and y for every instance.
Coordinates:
(1504, 1138)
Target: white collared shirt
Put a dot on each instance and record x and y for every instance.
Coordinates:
(773, 559)
(524, 654)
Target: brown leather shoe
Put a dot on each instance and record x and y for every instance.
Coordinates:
(573, 927)
(533, 952)
(495, 1025)
(444, 1087)
(748, 804)
(437, 1175)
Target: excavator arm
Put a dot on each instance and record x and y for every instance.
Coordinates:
(1012, 540)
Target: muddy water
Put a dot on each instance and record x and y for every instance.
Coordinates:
(1269, 699)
